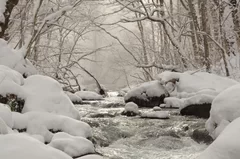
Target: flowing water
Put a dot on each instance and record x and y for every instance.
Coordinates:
(120, 137)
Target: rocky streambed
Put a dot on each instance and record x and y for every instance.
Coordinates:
(121, 137)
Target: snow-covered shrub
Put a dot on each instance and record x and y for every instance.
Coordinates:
(88, 95)
(225, 108)
(15, 60)
(46, 95)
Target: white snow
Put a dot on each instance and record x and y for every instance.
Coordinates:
(39, 123)
(131, 107)
(14, 59)
(71, 145)
(19, 146)
(148, 89)
(73, 97)
(88, 95)
(194, 82)
(227, 145)
(91, 157)
(156, 108)
(155, 114)
(46, 95)
(6, 115)
(2, 10)
(225, 108)
(3, 127)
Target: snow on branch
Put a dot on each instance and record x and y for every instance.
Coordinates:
(164, 67)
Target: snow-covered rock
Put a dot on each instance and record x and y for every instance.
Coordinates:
(74, 98)
(72, 145)
(227, 145)
(88, 95)
(155, 115)
(225, 108)
(194, 82)
(156, 108)
(46, 95)
(19, 146)
(14, 59)
(91, 157)
(148, 94)
(6, 115)
(131, 109)
(40, 123)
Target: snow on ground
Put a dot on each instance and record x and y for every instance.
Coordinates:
(40, 123)
(19, 146)
(88, 95)
(73, 146)
(225, 108)
(227, 145)
(73, 97)
(3, 127)
(131, 107)
(155, 114)
(15, 58)
(193, 82)
(46, 95)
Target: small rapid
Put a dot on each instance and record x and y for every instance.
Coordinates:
(120, 137)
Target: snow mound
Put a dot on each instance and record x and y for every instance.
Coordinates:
(6, 115)
(91, 157)
(71, 145)
(14, 59)
(225, 108)
(19, 146)
(155, 115)
(156, 108)
(73, 97)
(3, 127)
(227, 145)
(46, 95)
(88, 95)
(131, 107)
(40, 123)
(193, 82)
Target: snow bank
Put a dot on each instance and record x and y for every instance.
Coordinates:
(46, 95)
(40, 123)
(71, 145)
(6, 115)
(19, 146)
(73, 97)
(88, 95)
(193, 82)
(3, 127)
(14, 59)
(225, 108)
(227, 145)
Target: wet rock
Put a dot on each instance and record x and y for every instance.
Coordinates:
(198, 110)
(201, 136)
(148, 94)
(102, 115)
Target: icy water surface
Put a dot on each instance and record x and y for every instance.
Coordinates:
(119, 137)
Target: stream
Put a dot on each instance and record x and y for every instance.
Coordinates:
(121, 137)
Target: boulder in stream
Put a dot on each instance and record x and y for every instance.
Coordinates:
(148, 94)
(198, 110)
(131, 109)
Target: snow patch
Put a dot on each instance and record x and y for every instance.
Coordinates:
(88, 95)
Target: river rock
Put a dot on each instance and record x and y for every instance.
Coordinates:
(148, 94)
(198, 110)
(131, 109)
(201, 136)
